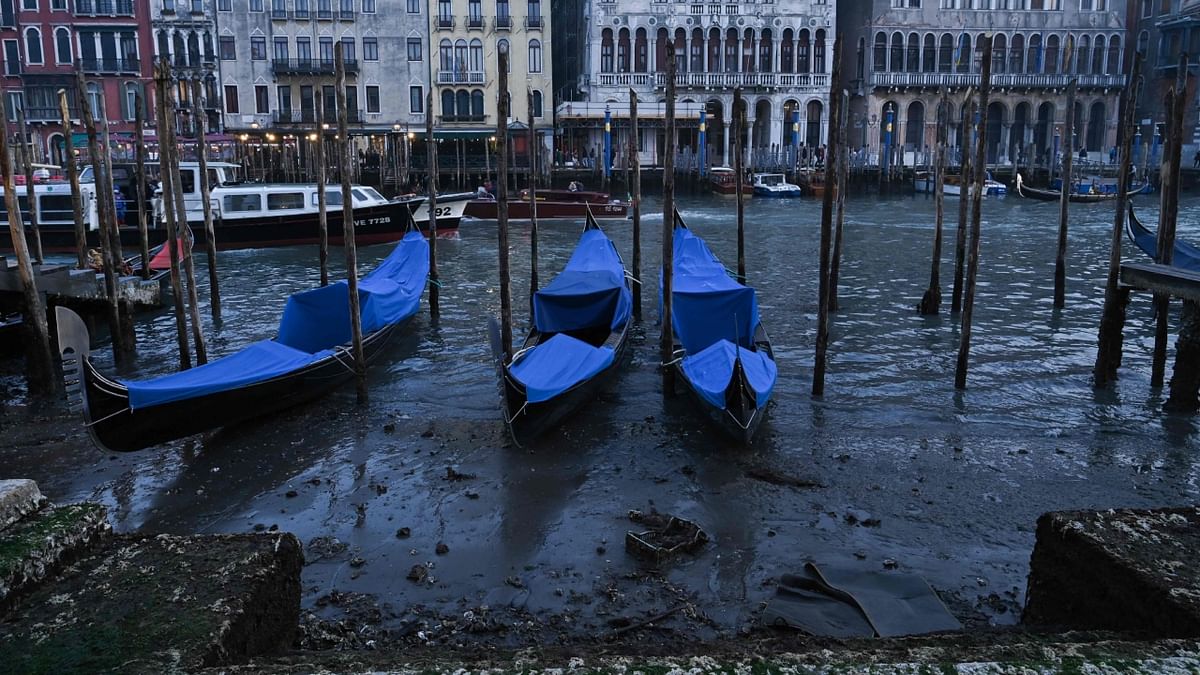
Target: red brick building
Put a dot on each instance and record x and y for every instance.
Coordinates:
(43, 41)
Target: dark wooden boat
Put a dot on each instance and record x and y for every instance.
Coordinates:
(1074, 197)
(1185, 256)
(529, 411)
(812, 183)
(723, 181)
(741, 409)
(551, 204)
(240, 387)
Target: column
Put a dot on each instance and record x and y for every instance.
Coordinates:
(728, 131)
(828, 56)
(1002, 153)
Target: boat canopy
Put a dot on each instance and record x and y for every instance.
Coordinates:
(558, 364)
(708, 306)
(589, 293)
(314, 324)
(711, 369)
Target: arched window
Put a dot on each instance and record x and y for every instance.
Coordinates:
(1052, 54)
(460, 60)
(963, 55)
(1016, 54)
(194, 49)
(787, 61)
(641, 52)
(164, 44)
(714, 51)
(446, 52)
(502, 46)
(1098, 55)
(1034, 63)
(878, 56)
(696, 50)
(448, 103)
(946, 53)
(731, 50)
(476, 58)
(537, 103)
(819, 52)
(606, 51)
(1114, 56)
(622, 52)
(803, 64)
(748, 51)
(896, 58)
(535, 56)
(462, 101)
(999, 44)
(1143, 42)
(912, 61)
(929, 57)
(477, 103)
(765, 52)
(1083, 56)
(62, 46)
(180, 49)
(33, 45)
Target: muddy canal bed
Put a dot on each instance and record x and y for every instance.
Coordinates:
(423, 524)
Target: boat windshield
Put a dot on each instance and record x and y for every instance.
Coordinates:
(372, 193)
(87, 175)
(771, 179)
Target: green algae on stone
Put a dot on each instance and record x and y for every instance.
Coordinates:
(32, 548)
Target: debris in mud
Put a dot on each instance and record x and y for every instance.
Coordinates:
(857, 517)
(442, 549)
(389, 428)
(321, 548)
(452, 474)
(768, 475)
(889, 564)
(472, 495)
(418, 573)
(403, 533)
(290, 494)
(515, 582)
(663, 540)
(358, 561)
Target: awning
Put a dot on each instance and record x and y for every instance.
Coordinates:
(462, 134)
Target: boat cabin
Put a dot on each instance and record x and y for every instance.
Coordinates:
(55, 209)
(769, 179)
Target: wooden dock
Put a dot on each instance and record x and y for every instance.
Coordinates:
(1161, 279)
(1173, 282)
(65, 285)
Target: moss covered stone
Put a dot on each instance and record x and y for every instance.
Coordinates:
(35, 547)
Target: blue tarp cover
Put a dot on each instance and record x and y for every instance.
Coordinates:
(313, 324)
(710, 370)
(708, 305)
(1186, 256)
(589, 292)
(558, 364)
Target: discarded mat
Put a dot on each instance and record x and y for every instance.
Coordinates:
(846, 603)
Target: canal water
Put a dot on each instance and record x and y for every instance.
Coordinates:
(891, 469)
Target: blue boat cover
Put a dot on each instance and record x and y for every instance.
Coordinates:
(589, 292)
(708, 305)
(313, 324)
(1186, 256)
(710, 371)
(558, 364)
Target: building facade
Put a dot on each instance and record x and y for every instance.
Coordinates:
(46, 41)
(779, 53)
(902, 53)
(276, 57)
(1165, 30)
(466, 37)
(185, 32)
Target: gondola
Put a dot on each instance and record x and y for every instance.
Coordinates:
(578, 341)
(1186, 256)
(721, 350)
(310, 355)
(1073, 197)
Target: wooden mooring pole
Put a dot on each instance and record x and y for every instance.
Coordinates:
(964, 344)
(533, 223)
(932, 300)
(431, 154)
(139, 175)
(25, 153)
(110, 260)
(831, 150)
(210, 233)
(502, 111)
(667, 337)
(348, 242)
(167, 202)
(73, 175)
(840, 166)
(964, 195)
(739, 180)
(635, 159)
(1112, 321)
(39, 363)
(1064, 200)
(124, 306)
(322, 201)
(1176, 106)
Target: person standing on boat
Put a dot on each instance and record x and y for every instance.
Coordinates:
(119, 200)
(1196, 160)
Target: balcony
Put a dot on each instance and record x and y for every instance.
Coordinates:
(452, 77)
(104, 7)
(445, 22)
(458, 119)
(504, 23)
(111, 65)
(48, 114)
(1008, 80)
(533, 22)
(309, 116)
(475, 22)
(310, 66)
(812, 81)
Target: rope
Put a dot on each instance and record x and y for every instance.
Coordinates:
(106, 417)
(517, 414)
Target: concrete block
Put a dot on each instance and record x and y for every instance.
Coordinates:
(17, 498)
(1127, 570)
(41, 544)
(161, 604)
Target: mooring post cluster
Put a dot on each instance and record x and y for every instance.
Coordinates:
(667, 337)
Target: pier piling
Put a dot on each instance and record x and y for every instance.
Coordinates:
(161, 91)
(322, 201)
(931, 302)
(210, 233)
(502, 112)
(432, 154)
(1176, 106)
(831, 150)
(636, 161)
(139, 172)
(39, 363)
(839, 165)
(739, 181)
(73, 176)
(964, 344)
(964, 196)
(667, 337)
(25, 156)
(348, 242)
(1064, 200)
(533, 223)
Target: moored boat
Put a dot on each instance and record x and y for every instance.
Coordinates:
(723, 181)
(952, 185)
(578, 340)
(812, 182)
(1185, 256)
(1075, 196)
(551, 204)
(310, 355)
(774, 185)
(721, 349)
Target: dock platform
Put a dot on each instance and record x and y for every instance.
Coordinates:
(65, 285)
